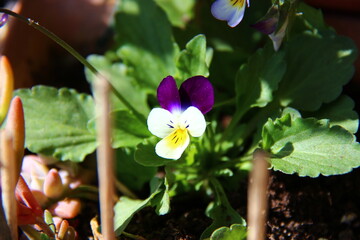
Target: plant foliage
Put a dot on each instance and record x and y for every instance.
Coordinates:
(288, 102)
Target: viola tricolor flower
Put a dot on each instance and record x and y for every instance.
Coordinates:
(182, 113)
(231, 11)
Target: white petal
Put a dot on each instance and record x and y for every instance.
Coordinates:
(194, 121)
(228, 11)
(237, 17)
(221, 9)
(171, 148)
(161, 122)
(278, 37)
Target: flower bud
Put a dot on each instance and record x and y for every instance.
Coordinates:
(68, 208)
(63, 229)
(53, 187)
(33, 169)
(15, 125)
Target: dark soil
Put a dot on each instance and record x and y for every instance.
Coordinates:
(319, 208)
(324, 208)
(186, 221)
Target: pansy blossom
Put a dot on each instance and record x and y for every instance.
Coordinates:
(231, 11)
(181, 114)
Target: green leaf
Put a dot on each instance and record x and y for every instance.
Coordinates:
(162, 200)
(56, 122)
(146, 156)
(311, 19)
(129, 172)
(128, 130)
(192, 60)
(146, 44)
(126, 208)
(316, 74)
(259, 78)
(340, 112)
(178, 12)
(292, 111)
(310, 147)
(119, 76)
(221, 211)
(235, 232)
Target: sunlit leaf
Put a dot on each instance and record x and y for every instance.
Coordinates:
(192, 60)
(56, 122)
(235, 232)
(178, 12)
(145, 41)
(128, 130)
(259, 78)
(125, 208)
(118, 75)
(310, 147)
(340, 112)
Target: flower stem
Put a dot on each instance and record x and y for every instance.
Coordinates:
(260, 117)
(224, 103)
(234, 121)
(76, 54)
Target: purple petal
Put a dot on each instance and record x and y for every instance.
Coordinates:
(266, 26)
(168, 94)
(198, 92)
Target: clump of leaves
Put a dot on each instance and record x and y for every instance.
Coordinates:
(288, 102)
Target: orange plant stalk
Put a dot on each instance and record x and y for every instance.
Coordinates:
(8, 181)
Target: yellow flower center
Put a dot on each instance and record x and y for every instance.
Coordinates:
(237, 3)
(177, 138)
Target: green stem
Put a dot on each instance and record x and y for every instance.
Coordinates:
(224, 103)
(76, 54)
(260, 118)
(267, 111)
(211, 138)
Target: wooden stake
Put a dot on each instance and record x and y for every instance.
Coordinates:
(105, 158)
(257, 196)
